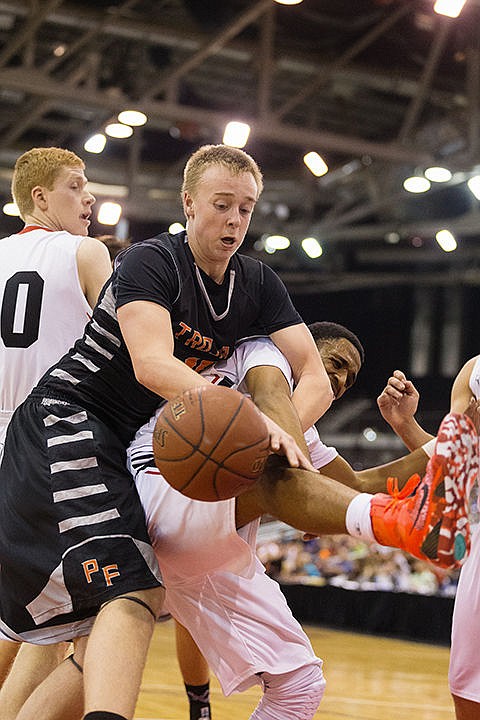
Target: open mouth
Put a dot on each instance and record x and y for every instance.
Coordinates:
(228, 241)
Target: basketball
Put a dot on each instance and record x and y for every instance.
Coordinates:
(210, 443)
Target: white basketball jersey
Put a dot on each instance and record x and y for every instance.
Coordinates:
(42, 308)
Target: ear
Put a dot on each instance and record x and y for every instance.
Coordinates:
(188, 207)
(39, 197)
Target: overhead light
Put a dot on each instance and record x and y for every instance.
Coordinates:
(474, 186)
(96, 143)
(416, 184)
(446, 240)
(288, 2)
(135, 118)
(118, 130)
(369, 434)
(175, 228)
(109, 213)
(315, 163)
(276, 242)
(312, 247)
(11, 208)
(438, 174)
(236, 134)
(450, 8)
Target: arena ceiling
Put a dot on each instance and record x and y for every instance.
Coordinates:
(381, 89)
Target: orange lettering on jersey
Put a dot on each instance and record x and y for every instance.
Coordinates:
(90, 567)
(195, 341)
(197, 364)
(109, 572)
(183, 329)
(223, 352)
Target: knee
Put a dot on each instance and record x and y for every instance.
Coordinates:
(294, 694)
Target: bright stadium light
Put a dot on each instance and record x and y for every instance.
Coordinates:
(109, 213)
(446, 240)
(315, 163)
(236, 134)
(450, 8)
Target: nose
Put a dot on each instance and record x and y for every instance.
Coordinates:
(90, 199)
(234, 217)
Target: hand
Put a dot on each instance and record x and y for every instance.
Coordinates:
(283, 444)
(398, 401)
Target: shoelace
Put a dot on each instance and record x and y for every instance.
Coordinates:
(398, 494)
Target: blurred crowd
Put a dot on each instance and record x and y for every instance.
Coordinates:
(347, 562)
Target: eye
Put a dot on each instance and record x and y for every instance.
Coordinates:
(246, 211)
(220, 206)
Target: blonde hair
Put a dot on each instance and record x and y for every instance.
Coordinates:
(235, 160)
(39, 166)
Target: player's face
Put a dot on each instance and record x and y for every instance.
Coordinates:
(69, 203)
(219, 213)
(342, 363)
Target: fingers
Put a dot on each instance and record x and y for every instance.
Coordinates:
(283, 444)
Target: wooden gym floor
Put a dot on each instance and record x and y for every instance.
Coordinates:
(368, 678)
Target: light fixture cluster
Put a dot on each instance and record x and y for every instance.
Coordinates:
(109, 213)
(121, 128)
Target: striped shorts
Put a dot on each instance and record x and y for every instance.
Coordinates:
(72, 529)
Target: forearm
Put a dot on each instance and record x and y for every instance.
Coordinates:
(411, 433)
(167, 376)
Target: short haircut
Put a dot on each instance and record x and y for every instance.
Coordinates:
(330, 331)
(236, 160)
(39, 166)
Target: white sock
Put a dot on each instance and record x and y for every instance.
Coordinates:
(357, 519)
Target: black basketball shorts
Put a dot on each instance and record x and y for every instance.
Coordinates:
(72, 529)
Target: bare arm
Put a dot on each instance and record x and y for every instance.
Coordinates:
(398, 403)
(270, 392)
(94, 268)
(146, 329)
(313, 393)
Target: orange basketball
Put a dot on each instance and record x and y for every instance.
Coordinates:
(211, 443)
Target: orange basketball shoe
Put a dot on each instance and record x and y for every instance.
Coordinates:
(429, 517)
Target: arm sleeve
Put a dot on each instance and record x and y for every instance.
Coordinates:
(320, 453)
(147, 272)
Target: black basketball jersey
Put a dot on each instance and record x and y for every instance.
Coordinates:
(207, 320)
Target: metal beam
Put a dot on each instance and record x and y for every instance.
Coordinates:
(40, 85)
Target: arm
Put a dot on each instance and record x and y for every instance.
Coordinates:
(151, 352)
(270, 392)
(461, 391)
(313, 393)
(398, 403)
(94, 268)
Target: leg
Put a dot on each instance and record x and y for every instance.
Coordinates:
(308, 501)
(427, 518)
(117, 651)
(50, 704)
(466, 709)
(8, 652)
(32, 665)
(195, 673)
(295, 694)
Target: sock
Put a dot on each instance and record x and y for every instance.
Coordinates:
(357, 519)
(103, 715)
(199, 699)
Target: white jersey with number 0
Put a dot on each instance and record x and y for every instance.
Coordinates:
(43, 309)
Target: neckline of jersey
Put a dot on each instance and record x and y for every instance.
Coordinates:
(29, 228)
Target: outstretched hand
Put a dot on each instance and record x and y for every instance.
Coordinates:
(282, 443)
(398, 401)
